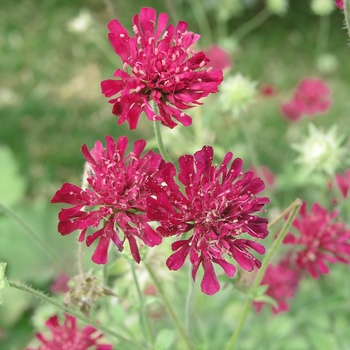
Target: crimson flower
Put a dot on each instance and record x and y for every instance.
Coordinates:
(163, 68)
(343, 181)
(340, 4)
(69, 336)
(282, 281)
(116, 193)
(321, 240)
(312, 96)
(218, 57)
(219, 205)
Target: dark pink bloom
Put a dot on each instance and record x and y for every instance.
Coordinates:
(312, 96)
(282, 281)
(320, 240)
(163, 68)
(117, 198)
(218, 57)
(343, 181)
(340, 4)
(219, 205)
(268, 175)
(267, 90)
(69, 336)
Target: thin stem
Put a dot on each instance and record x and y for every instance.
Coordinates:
(32, 234)
(160, 142)
(146, 325)
(189, 300)
(347, 15)
(43, 297)
(252, 24)
(169, 308)
(201, 19)
(323, 35)
(294, 209)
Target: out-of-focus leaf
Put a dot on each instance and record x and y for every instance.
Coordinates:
(12, 184)
(164, 340)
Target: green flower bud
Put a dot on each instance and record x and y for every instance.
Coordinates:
(277, 7)
(322, 7)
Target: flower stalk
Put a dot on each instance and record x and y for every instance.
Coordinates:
(293, 209)
(43, 297)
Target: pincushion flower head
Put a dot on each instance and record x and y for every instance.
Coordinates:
(340, 4)
(311, 96)
(160, 66)
(69, 336)
(282, 280)
(116, 198)
(321, 150)
(320, 240)
(217, 212)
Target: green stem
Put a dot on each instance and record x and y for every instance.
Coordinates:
(294, 209)
(323, 35)
(42, 244)
(252, 24)
(169, 308)
(201, 19)
(43, 297)
(347, 14)
(160, 142)
(189, 301)
(146, 325)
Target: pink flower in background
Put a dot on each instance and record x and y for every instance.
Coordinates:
(267, 90)
(282, 281)
(117, 198)
(218, 57)
(320, 240)
(268, 175)
(340, 4)
(312, 96)
(163, 69)
(60, 284)
(69, 336)
(219, 204)
(343, 181)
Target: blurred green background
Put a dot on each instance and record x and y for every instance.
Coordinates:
(51, 104)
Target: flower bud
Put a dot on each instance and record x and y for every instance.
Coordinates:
(277, 7)
(322, 7)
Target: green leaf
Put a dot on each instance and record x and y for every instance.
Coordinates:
(12, 184)
(164, 340)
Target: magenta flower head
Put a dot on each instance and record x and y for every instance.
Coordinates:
(321, 240)
(282, 281)
(218, 207)
(162, 68)
(312, 96)
(117, 198)
(69, 336)
(340, 4)
(343, 182)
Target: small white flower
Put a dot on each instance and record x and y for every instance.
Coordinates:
(81, 23)
(321, 150)
(237, 94)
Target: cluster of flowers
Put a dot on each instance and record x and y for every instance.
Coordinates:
(320, 238)
(141, 198)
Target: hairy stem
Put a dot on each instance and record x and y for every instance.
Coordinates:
(43, 297)
(160, 142)
(293, 209)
